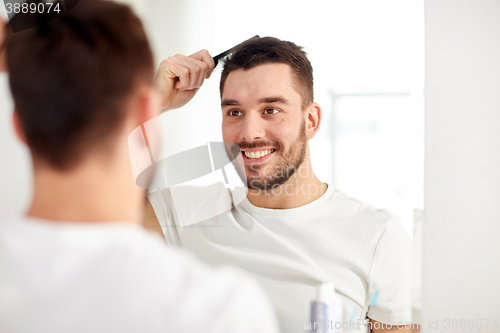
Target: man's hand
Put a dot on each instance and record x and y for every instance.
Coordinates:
(378, 327)
(179, 78)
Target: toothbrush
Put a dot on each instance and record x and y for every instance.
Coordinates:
(371, 300)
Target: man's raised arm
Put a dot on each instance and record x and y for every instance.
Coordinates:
(177, 80)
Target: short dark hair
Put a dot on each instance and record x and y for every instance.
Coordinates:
(268, 50)
(71, 78)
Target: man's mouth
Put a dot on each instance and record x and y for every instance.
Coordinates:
(258, 154)
(255, 155)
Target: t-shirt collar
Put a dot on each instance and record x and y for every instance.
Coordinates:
(290, 211)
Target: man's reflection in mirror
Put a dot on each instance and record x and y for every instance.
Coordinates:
(291, 230)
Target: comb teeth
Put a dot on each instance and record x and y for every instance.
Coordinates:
(224, 54)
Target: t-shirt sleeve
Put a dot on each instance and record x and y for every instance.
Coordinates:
(390, 276)
(181, 206)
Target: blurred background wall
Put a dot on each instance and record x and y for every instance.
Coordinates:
(461, 268)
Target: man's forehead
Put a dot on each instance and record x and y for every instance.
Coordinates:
(262, 82)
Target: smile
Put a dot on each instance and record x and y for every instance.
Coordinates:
(258, 154)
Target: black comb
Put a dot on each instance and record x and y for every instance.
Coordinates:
(226, 53)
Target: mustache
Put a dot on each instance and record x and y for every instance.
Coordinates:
(257, 144)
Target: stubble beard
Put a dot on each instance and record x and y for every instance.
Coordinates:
(257, 177)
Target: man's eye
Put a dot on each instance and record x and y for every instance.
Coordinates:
(235, 113)
(271, 111)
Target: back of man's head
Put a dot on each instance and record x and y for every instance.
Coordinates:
(72, 77)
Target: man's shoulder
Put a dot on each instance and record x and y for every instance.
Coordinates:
(128, 246)
(180, 280)
(186, 205)
(360, 210)
(185, 191)
(133, 267)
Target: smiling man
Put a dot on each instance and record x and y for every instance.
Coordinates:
(272, 130)
(290, 230)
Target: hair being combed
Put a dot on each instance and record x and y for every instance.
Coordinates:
(269, 50)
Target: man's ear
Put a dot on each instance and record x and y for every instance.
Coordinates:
(147, 105)
(18, 127)
(313, 120)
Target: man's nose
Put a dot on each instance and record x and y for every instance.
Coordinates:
(252, 128)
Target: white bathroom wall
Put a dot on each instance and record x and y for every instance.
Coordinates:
(15, 163)
(461, 270)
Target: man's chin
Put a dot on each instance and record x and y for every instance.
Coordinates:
(261, 187)
(263, 184)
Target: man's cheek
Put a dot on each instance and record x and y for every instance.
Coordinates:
(226, 133)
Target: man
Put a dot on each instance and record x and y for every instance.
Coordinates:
(79, 260)
(291, 230)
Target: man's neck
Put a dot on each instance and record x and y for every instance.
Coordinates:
(300, 189)
(90, 193)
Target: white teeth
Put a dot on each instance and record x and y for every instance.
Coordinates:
(258, 154)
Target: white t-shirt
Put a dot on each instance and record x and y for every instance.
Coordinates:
(117, 277)
(291, 251)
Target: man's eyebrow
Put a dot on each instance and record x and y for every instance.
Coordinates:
(227, 102)
(274, 99)
(270, 99)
